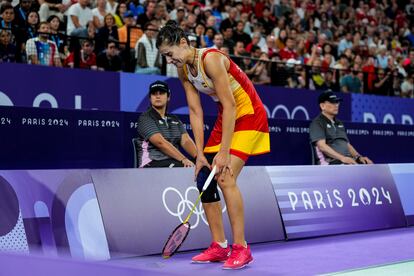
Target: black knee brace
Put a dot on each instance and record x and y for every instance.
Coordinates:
(211, 194)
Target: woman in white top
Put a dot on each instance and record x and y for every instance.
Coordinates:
(99, 13)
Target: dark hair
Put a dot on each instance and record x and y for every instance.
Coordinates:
(38, 18)
(171, 34)
(6, 6)
(50, 18)
(111, 41)
(84, 41)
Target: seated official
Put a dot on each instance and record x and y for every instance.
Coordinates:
(329, 137)
(160, 134)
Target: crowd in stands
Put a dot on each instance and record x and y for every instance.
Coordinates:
(364, 46)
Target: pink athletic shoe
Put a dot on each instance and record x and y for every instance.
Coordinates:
(239, 258)
(215, 253)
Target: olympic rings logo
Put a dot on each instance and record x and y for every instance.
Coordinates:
(185, 205)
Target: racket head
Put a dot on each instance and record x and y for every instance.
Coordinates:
(176, 239)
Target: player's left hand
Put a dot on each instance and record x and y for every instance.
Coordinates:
(223, 164)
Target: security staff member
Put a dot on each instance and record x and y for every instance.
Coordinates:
(328, 134)
(160, 134)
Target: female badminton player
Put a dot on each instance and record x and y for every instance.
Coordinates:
(241, 130)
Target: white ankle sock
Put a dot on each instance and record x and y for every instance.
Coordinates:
(223, 244)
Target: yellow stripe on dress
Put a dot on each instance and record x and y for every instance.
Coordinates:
(244, 104)
(246, 141)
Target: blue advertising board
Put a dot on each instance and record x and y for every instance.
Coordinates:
(38, 138)
(382, 110)
(41, 86)
(325, 200)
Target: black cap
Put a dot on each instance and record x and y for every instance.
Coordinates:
(329, 96)
(159, 86)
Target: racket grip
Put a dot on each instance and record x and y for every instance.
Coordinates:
(209, 178)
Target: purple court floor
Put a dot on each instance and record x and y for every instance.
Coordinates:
(300, 257)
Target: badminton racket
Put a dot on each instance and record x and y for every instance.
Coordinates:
(180, 233)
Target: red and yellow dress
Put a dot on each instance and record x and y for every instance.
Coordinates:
(251, 132)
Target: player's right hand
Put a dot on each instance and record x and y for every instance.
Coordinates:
(201, 162)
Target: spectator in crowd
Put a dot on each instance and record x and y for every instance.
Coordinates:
(229, 22)
(316, 77)
(316, 55)
(111, 6)
(209, 36)
(330, 80)
(40, 50)
(342, 63)
(328, 135)
(240, 35)
(212, 22)
(108, 32)
(32, 24)
(382, 57)
(161, 15)
(99, 13)
(238, 50)
(130, 25)
(310, 41)
(193, 40)
(409, 62)
(87, 58)
(256, 37)
(51, 7)
(54, 24)
(383, 83)
(30, 30)
(296, 75)
(7, 16)
(281, 39)
(200, 35)
(225, 50)
(91, 31)
(7, 48)
(148, 57)
(134, 6)
(218, 41)
(246, 62)
(120, 13)
(345, 43)
(180, 14)
(79, 15)
(228, 38)
(407, 87)
(260, 72)
(289, 50)
(272, 50)
(191, 22)
(381, 30)
(369, 70)
(149, 13)
(178, 5)
(21, 11)
(350, 82)
(109, 60)
(267, 20)
(160, 135)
